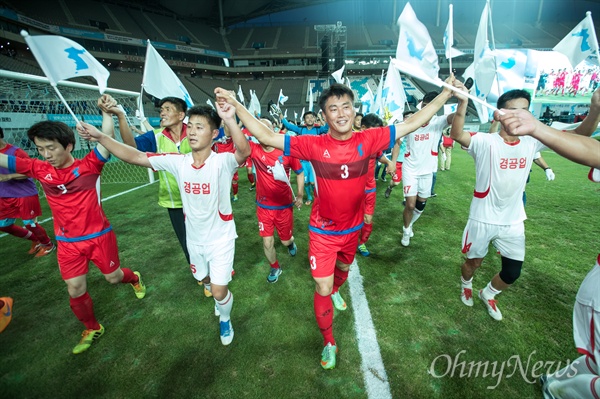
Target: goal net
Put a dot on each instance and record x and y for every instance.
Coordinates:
(27, 99)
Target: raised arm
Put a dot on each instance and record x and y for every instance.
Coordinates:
(457, 132)
(580, 149)
(262, 133)
(425, 114)
(122, 151)
(242, 148)
(109, 105)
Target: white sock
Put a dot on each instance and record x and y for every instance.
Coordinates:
(585, 386)
(466, 283)
(416, 214)
(490, 292)
(225, 306)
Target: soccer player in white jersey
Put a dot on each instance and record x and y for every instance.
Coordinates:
(420, 159)
(502, 164)
(204, 178)
(581, 378)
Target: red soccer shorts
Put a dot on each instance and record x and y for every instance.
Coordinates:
(397, 178)
(24, 208)
(271, 219)
(324, 250)
(74, 257)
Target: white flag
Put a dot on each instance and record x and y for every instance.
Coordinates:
(310, 97)
(483, 59)
(303, 112)
(415, 48)
(337, 75)
(240, 94)
(255, 107)
(367, 101)
(61, 58)
(377, 107)
(348, 82)
(281, 99)
(580, 43)
(393, 94)
(210, 103)
(295, 116)
(285, 114)
(159, 79)
(279, 174)
(510, 67)
(451, 52)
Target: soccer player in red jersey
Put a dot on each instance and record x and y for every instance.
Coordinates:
(274, 200)
(81, 228)
(340, 160)
(19, 200)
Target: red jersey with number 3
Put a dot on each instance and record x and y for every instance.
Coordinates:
(341, 169)
(73, 194)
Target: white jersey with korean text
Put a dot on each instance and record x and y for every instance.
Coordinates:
(501, 171)
(204, 193)
(421, 153)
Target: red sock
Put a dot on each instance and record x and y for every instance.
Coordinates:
(234, 185)
(83, 307)
(339, 278)
(275, 265)
(18, 231)
(251, 178)
(365, 233)
(39, 233)
(324, 315)
(129, 277)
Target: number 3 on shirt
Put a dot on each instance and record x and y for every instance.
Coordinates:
(313, 263)
(63, 188)
(345, 173)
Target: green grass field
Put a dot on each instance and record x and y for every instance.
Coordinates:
(167, 344)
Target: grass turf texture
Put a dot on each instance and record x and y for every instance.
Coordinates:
(167, 344)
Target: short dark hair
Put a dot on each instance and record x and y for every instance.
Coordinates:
(309, 113)
(429, 97)
(51, 130)
(335, 90)
(178, 102)
(371, 120)
(513, 95)
(208, 112)
(1, 133)
(358, 114)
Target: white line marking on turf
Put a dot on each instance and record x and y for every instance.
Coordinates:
(104, 199)
(376, 381)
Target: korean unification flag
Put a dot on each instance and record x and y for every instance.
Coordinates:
(367, 101)
(580, 43)
(61, 58)
(240, 94)
(451, 52)
(377, 106)
(393, 94)
(159, 79)
(281, 99)
(415, 54)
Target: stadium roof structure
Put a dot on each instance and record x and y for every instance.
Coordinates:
(223, 12)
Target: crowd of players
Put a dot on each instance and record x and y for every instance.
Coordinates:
(198, 160)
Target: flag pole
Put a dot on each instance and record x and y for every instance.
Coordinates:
(452, 27)
(65, 103)
(470, 96)
(594, 37)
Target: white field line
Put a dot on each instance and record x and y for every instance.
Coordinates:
(375, 377)
(104, 199)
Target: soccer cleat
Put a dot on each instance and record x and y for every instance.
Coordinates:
(87, 337)
(6, 312)
(35, 246)
(338, 301)
(226, 332)
(252, 187)
(207, 293)
(139, 288)
(328, 356)
(492, 306)
(433, 195)
(362, 248)
(274, 274)
(407, 233)
(45, 250)
(235, 198)
(388, 192)
(466, 296)
(294, 250)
